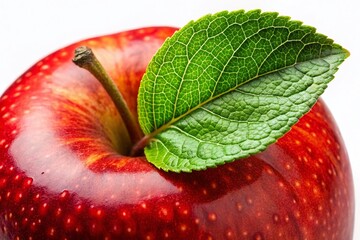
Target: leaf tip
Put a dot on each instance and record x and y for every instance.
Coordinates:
(347, 53)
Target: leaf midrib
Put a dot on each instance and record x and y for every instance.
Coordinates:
(220, 75)
(174, 120)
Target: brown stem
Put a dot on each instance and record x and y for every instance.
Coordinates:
(85, 58)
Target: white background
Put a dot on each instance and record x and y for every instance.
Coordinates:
(30, 30)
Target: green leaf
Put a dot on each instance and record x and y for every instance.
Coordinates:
(228, 85)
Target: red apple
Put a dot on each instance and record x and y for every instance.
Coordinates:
(64, 174)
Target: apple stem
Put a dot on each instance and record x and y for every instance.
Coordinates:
(86, 59)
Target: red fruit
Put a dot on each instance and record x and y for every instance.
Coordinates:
(63, 174)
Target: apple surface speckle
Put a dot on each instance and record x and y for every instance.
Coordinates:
(212, 217)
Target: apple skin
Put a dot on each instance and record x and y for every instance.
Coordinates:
(63, 174)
